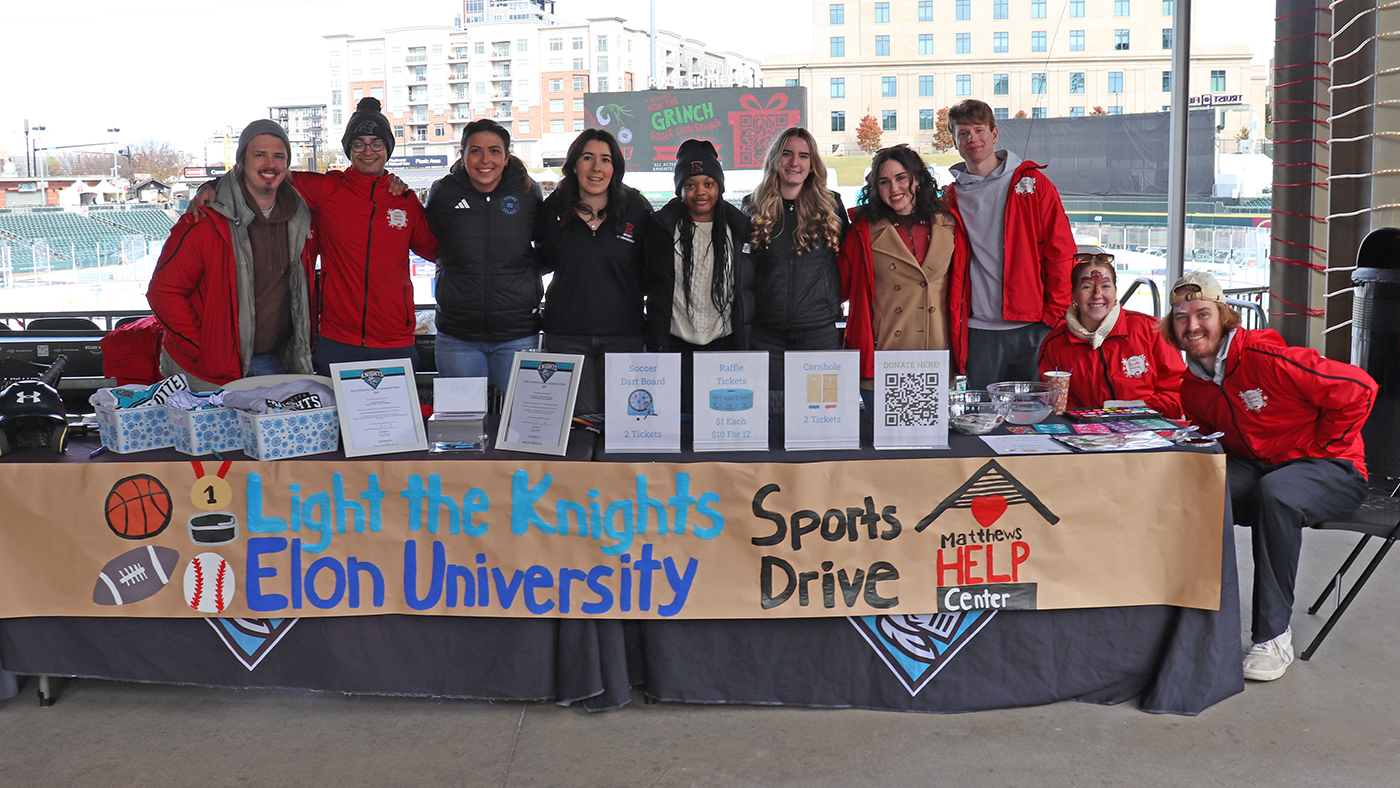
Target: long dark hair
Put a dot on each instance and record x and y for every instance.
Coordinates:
(492, 127)
(927, 205)
(722, 275)
(568, 190)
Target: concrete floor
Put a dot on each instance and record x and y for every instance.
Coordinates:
(1328, 722)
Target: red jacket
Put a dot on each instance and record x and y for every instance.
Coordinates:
(366, 294)
(1278, 403)
(1038, 251)
(1134, 362)
(858, 287)
(194, 294)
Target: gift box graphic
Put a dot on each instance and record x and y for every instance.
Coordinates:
(756, 125)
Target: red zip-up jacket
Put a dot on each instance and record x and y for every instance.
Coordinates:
(1277, 403)
(365, 234)
(1134, 362)
(858, 287)
(1038, 251)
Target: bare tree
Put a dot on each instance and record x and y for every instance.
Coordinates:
(150, 157)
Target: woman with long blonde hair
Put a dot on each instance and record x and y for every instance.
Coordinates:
(797, 226)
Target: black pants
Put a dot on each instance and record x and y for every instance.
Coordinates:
(777, 340)
(1278, 502)
(687, 351)
(996, 356)
(593, 349)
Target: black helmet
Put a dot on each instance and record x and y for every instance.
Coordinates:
(32, 414)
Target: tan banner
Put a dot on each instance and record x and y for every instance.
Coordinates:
(612, 540)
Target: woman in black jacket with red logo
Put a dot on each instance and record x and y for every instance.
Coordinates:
(591, 234)
(488, 286)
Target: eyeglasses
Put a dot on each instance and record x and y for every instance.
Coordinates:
(1093, 258)
(359, 147)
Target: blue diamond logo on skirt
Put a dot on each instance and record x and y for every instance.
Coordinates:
(251, 639)
(916, 648)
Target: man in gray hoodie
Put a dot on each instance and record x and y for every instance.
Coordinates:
(1022, 251)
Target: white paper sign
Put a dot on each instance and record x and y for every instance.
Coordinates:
(459, 395)
(540, 402)
(821, 399)
(378, 407)
(911, 399)
(1024, 444)
(643, 403)
(731, 401)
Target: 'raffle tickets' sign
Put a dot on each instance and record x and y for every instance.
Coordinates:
(741, 122)
(610, 540)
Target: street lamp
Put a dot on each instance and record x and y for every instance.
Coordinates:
(29, 156)
(115, 174)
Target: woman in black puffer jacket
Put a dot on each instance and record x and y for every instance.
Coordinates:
(488, 283)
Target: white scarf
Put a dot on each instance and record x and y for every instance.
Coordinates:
(1097, 336)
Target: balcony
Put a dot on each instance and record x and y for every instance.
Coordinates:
(458, 76)
(416, 59)
(459, 54)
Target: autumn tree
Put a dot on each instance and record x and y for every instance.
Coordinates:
(156, 159)
(942, 135)
(868, 134)
(1020, 113)
(1097, 110)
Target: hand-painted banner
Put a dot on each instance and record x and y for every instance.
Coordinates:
(610, 540)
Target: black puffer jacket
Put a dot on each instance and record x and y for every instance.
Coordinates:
(488, 284)
(599, 284)
(792, 291)
(661, 274)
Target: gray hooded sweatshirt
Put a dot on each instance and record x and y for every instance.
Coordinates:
(982, 206)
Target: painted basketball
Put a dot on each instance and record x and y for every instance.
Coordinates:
(138, 507)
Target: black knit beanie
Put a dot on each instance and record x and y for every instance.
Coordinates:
(698, 157)
(368, 120)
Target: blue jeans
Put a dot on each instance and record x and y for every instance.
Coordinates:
(265, 364)
(329, 351)
(458, 358)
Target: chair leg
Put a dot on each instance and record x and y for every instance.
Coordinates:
(1332, 583)
(1346, 601)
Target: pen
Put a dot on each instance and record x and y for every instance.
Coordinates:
(97, 451)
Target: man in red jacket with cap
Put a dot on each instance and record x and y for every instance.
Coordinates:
(1292, 428)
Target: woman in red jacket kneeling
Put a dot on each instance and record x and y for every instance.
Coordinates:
(1112, 353)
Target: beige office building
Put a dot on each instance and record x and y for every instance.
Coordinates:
(902, 61)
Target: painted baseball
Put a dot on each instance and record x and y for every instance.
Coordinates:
(209, 583)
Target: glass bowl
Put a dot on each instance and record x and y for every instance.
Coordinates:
(1028, 401)
(975, 412)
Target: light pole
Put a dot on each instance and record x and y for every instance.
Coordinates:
(29, 153)
(115, 143)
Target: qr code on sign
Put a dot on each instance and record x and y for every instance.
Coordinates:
(911, 399)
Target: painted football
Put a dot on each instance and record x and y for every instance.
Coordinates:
(135, 575)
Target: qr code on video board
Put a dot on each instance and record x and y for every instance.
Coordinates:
(911, 399)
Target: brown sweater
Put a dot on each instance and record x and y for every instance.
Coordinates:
(271, 283)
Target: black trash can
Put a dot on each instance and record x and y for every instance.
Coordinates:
(1375, 344)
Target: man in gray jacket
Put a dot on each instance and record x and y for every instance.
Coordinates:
(233, 294)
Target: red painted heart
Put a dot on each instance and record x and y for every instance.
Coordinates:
(988, 509)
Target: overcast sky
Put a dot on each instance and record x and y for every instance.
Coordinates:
(176, 70)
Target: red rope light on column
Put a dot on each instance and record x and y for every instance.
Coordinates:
(1307, 311)
(1291, 261)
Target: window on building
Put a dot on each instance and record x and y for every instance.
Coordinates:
(439, 130)
(1076, 40)
(577, 64)
(1037, 9)
(1115, 82)
(556, 45)
(1076, 82)
(480, 88)
(791, 83)
(602, 84)
(926, 119)
(964, 46)
(962, 9)
(1001, 84)
(999, 10)
(882, 46)
(1217, 81)
(925, 43)
(1001, 113)
(1115, 110)
(1038, 112)
(580, 83)
(1076, 8)
(578, 105)
(888, 87)
(1001, 42)
(398, 132)
(556, 105)
(838, 87)
(838, 13)
(889, 120)
(1076, 112)
(556, 85)
(335, 117)
(1038, 41)
(882, 13)
(578, 124)
(1168, 7)
(1166, 81)
(925, 10)
(556, 126)
(1122, 8)
(603, 64)
(335, 97)
(925, 84)
(577, 42)
(1167, 37)
(964, 84)
(398, 94)
(838, 46)
(481, 47)
(1038, 83)
(522, 45)
(838, 121)
(1120, 39)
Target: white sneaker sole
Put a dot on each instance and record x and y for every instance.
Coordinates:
(1265, 675)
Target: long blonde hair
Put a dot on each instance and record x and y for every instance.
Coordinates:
(817, 222)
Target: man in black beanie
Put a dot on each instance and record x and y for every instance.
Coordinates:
(368, 121)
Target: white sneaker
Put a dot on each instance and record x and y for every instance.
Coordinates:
(1268, 660)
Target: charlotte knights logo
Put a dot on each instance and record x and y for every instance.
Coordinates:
(372, 377)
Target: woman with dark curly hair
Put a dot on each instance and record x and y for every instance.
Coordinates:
(797, 225)
(905, 252)
(590, 235)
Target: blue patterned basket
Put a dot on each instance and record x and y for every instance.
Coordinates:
(206, 431)
(296, 433)
(135, 429)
